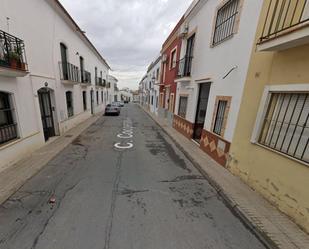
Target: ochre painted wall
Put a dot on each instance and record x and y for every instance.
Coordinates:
(283, 181)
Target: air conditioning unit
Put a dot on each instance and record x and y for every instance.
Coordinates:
(184, 30)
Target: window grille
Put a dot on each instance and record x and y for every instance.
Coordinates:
(220, 116)
(225, 21)
(182, 110)
(69, 99)
(285, 127)
(8, 128)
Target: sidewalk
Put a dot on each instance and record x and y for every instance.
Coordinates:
(15, 176)
(274, 228)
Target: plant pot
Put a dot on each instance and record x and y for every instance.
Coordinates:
(13, 63)
(23, 66)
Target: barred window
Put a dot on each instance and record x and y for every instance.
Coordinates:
(220, 116)
(225, 21)
(69, 99)
(182, 110)
(8, 128)
(285, 127)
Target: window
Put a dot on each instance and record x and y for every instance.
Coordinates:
(225, 21)
(151, 100)
(69, 99)
(64, 62)
(157, 74)
(8, 128)
(102, 96)
(85, 100)
(96, 75)
(285, 126)
(97, 97)
(82, 73)
(173, 60)
(220, 117)
(164, 71)
(182, 109)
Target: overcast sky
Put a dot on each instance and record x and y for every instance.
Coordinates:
(128, 33)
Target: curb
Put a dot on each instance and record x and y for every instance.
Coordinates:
(228, 201)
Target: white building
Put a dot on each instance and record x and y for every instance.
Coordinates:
(126, 94)
(136, 96)
(144, 92)
(59, 84)
(153, 78)
(113, 89)
(216, 47)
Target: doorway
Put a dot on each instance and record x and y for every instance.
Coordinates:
(201, 110)
(46, 113)
(91, 101)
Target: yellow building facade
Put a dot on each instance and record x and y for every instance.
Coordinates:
(270, 148)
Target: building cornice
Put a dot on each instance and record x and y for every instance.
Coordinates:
(59, 6)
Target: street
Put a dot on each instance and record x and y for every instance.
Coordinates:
(121, 184)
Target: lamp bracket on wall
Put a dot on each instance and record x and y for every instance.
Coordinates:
(229, 72)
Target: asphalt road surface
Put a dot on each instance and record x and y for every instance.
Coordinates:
(122, 184)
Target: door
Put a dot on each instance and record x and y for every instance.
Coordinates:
(91, 101)
(46, 114)
(201, 111)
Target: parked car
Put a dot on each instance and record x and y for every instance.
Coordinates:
(121, 104)
(126, 101)
(118, 103)
(112, 109)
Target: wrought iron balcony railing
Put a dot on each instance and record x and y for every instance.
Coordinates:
(283, 15)
(12, 52)
(69, 72)
(184, 67)
(85, 77)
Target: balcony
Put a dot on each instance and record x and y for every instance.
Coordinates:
(85, 78)
(100, 82)
(13, 61)
(184, 69)
(69, 73)
(286, 25)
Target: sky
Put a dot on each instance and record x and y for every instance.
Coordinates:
(128, 33)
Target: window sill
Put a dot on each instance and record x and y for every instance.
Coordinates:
(282, 154)
(224, 40)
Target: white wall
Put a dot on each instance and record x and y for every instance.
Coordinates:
(43, 25)
(154, 92)
(216, 62)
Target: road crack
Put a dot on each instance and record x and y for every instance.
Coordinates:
(109, 226)
(37, 238)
